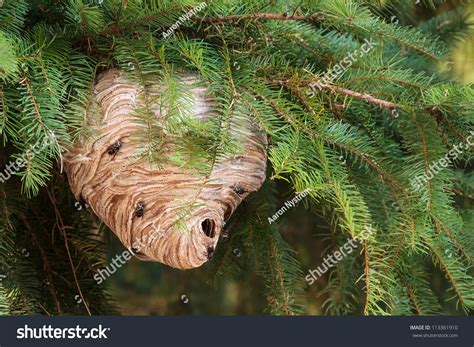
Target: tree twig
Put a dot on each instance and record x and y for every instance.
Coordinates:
(46, 265)
(264, 16)
(338, 90)
(61, 226)
(357, 95)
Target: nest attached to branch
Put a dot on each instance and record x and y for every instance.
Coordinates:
(142, 203)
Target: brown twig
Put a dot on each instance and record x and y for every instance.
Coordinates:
(361, 96)
(462, 194)
(264, 16)
(444, 267)
(412, 296)
(115, 29)
(62, 227)
(357, 95)
(366, 270)
(45, 263)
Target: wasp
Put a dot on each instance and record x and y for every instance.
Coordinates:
(225, 231)
(83, 202)
(114, 148)
(238, 189)
(136, 251)
(140, 209)
(210, 252)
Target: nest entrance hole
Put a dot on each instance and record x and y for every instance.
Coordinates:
(208, 227)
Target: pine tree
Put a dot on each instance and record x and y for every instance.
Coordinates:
(349, 94)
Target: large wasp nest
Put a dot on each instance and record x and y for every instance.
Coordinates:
(161, 212)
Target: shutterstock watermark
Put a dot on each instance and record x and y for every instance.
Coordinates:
(121, 259)
(288, 205)
(14, 166)
(48, 332)
(332, 259)
(184, 18)
(339, 68)
(434, 168)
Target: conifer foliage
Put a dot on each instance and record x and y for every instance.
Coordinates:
(351, 99)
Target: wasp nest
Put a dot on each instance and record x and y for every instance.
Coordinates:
(161, 212)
